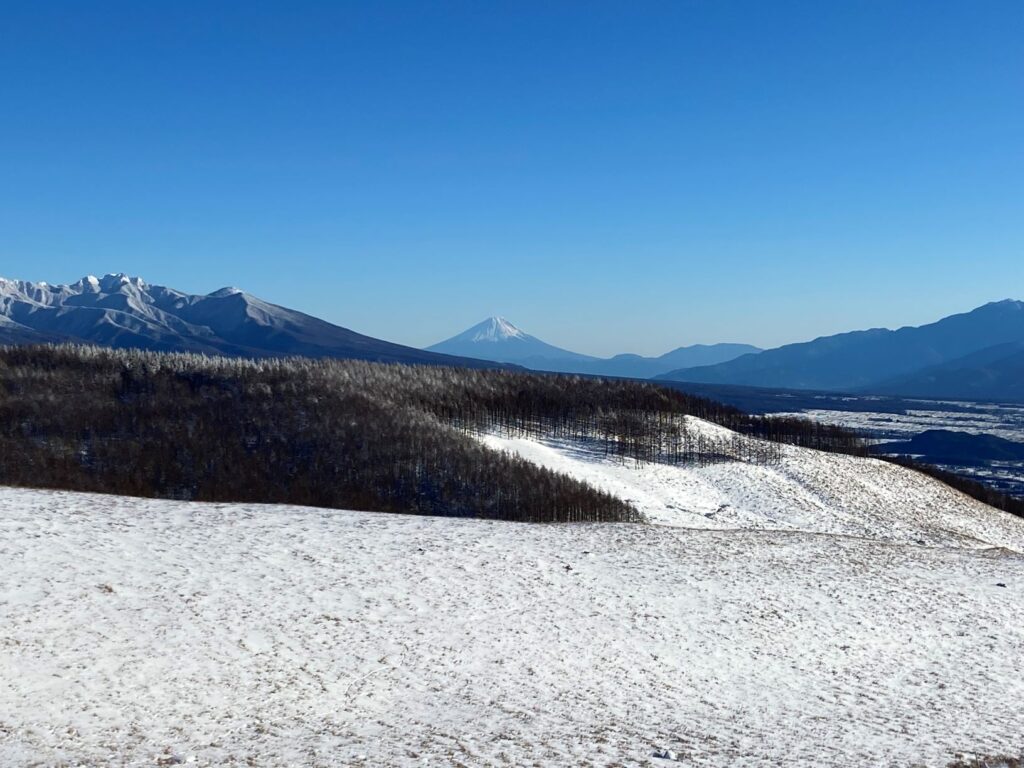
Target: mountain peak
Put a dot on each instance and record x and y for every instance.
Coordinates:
(122, 311)
(112, 282)
(497, 339)
(495, 329)
(89, 283)
(1007, 304)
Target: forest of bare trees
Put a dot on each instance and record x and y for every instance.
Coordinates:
(270, 431)
(348, 434)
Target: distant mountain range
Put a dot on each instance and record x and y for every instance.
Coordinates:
(994, 373)
(497, 339)
(121, 311)
(975, 355)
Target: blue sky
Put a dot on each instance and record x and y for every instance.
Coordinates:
(612, 177)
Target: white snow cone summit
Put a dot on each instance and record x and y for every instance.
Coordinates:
(494, 329)
(498, 339)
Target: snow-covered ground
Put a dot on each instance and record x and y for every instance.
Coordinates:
(808, 491)
(140, 632)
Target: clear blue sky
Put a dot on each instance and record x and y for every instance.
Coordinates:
(626, 176)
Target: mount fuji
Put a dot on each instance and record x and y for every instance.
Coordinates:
(497, 339)
(121, 311)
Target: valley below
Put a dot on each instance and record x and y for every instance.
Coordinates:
(885, 419)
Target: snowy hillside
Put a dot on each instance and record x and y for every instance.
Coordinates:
(808, 491)
(789, 626)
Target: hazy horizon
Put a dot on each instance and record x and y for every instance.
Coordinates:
(609, 179)
(547, 336)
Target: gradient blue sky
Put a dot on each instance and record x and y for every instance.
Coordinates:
(626, 176)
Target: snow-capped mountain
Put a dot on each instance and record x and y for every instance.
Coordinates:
(495, 329)
(121, 311)
(498, 339)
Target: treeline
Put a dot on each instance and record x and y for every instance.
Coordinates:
(189, 427)
(349, 434)
(634, 419)
(972, 488)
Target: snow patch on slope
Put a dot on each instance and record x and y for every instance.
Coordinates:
(808, 491)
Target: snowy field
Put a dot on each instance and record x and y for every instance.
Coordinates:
(827, 612)
(808, 491)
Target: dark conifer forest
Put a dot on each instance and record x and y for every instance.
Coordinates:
(349, 434)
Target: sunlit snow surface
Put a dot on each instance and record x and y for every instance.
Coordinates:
(808, 491)
(135, 631)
